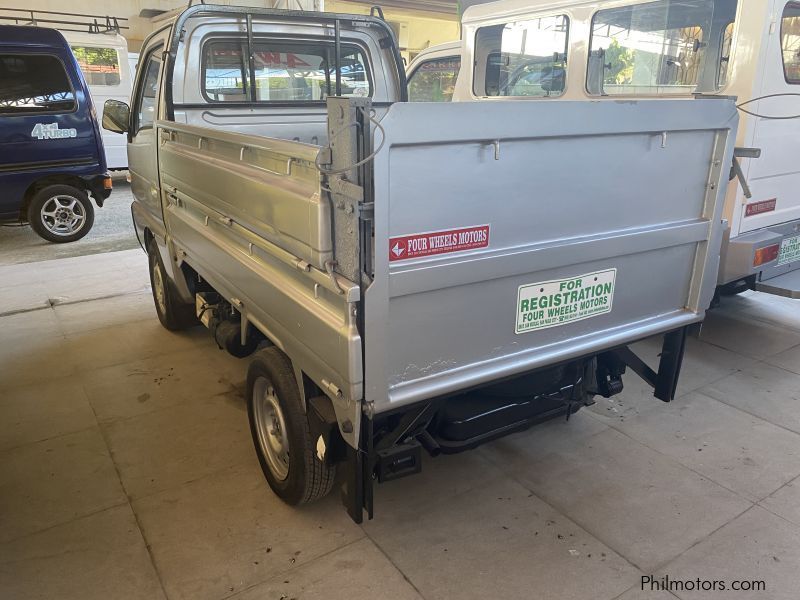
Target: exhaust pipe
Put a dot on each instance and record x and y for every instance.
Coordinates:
(430, 444)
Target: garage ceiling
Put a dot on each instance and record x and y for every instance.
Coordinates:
(449, 7)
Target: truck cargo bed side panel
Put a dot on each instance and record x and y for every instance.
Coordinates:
(246, 213)
(515, 235)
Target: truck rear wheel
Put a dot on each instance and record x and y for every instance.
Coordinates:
(61, 213)
(281, 433)
(172, 311)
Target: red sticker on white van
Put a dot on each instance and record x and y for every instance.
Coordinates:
(762, 206)
(418, 245)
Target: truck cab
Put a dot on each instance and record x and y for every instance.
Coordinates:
(51, 150)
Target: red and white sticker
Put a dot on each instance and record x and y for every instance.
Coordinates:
(418, 245)
(763, 206)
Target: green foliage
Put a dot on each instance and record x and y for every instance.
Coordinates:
(106, 57)
(621, 61)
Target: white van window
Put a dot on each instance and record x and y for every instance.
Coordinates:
(726, 45)
(790, 42)
(100, 66)
(434, 80)
(34, 83)
(523, 58)
(656, 48)
(284, 71)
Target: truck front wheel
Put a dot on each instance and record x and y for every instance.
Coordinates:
(173, 313)
(61, 213)
(281, 432)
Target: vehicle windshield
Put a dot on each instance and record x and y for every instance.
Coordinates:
(434, 80)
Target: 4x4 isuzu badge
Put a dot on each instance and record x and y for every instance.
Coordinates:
(50, 131)
(552, 303)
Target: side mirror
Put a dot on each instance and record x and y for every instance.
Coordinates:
(116, 116)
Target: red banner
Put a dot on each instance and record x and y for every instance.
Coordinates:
(757, 208)
(418, 245)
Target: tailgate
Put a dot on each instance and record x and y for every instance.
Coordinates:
(514, 235)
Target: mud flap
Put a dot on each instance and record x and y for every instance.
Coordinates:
(358, 468)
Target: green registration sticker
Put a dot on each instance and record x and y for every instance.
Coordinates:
(790, 250)
(553, 303)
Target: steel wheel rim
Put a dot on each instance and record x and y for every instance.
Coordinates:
(63, 215)
(271, 428)
(159, 289)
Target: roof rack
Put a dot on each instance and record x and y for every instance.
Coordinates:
(80, 22)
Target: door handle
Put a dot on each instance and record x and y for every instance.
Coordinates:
(226, 221)
(172, 198)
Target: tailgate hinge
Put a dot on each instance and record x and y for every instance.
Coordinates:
(367, 211)
(341, 187)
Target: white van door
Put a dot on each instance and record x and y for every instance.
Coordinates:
(775, 177)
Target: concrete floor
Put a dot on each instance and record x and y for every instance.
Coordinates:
(126, 471)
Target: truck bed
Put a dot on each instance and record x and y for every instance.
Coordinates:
(474, 221)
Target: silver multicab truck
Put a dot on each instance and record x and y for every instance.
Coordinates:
(409, 276)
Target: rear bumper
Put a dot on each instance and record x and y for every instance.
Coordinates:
(787, 285)
(491, 371)
(99, 186)
(738, 254)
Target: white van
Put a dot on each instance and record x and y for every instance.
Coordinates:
(625, 49)
(103, 58)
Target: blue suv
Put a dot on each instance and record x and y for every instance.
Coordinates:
(51, 152)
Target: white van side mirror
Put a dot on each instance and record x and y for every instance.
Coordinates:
(116, 116)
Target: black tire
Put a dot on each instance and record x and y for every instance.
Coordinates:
(61, 213)
(307, 478)
(172, 311)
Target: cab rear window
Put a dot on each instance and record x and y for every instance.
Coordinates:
(34, 83)
(284, 72)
